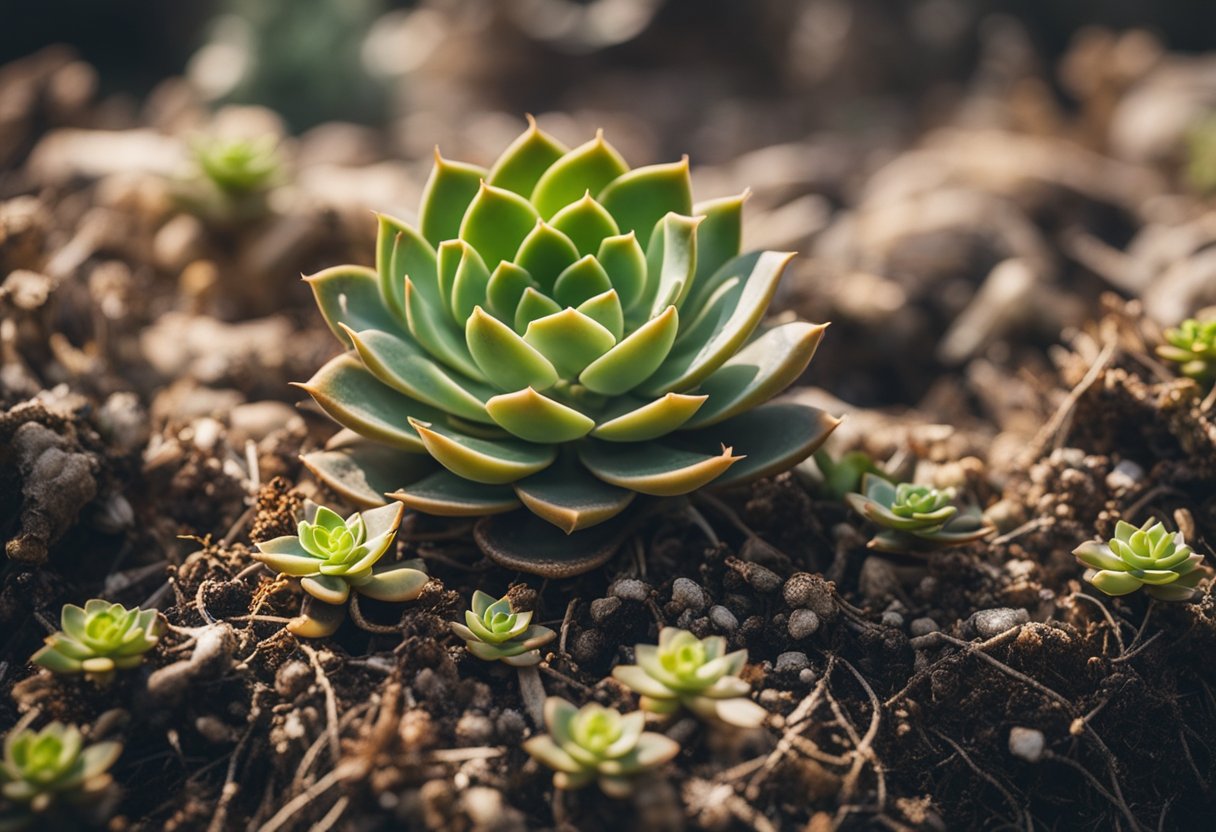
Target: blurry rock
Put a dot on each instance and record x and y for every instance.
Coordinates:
(211, 350)
(257, 420)
(68, 154)
(179, 241)
(1026, 743)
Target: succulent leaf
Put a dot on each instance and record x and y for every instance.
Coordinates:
(1149, 557)
(445, 198)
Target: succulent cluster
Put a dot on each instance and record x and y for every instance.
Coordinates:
(332, 556)
(45, 772)
(1150, 557)
(600, 744)
(494, 633)
(698, 674)
(561, 333)
(99, 639)
(1192, 345)
(915, 518)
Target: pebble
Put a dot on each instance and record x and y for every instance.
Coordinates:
(1026, 743)
(630, 589)
(803, 624)
(810, 592)
(770, 698)
(922, 627)
(475, 729)
(604, 608)
(761, 578)
(429, 684)
(723, 619)
(1126, 475)
(792, 662)
(688, 595)
(511, 726)
(808, 676)
(993, 622)
(892, 619)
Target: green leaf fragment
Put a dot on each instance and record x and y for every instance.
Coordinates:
(634, 359)
(640, 198)
(546, 253)
(483, 460)
(586, 168)
(496, 223)
(580, 282)
(509, 361)
(524, 161)
(445, 198)
(537, 418)
(569, 340)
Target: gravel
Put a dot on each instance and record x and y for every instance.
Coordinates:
(803, 624)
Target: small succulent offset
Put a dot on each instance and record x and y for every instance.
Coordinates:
(332, 556)
(598, 743)
(559, 333)
(915, 518)
(683, 670)
(495, 633)
(46, 774)
(1149, 557)
(238, 165)
(1193, 346)
(99, 639)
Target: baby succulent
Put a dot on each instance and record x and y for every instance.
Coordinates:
(696, 673)
(1149, 557)
(915, 518)
(560, 333)
(99, 639)
(598, 743)
(332, 556)
(48, 775)
(495, 633)
(238, 166)
(1193, 346)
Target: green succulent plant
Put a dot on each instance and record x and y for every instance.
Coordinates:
(238, 166)
(559, 333)
(698, 674)
(1149, 557)
(332, 556)
(47, 773)
(600, 744)
(915, 518)
(99, 639)
(495, 633)
(1192, 345)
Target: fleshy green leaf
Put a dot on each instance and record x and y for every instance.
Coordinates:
(570, 499)
(625, 262)
(364, 472)
(639, 199)
(506, 358)
(652, 468)
(586, 168)
(351, 295)
(401, 251)
(545, 253)
(394, 582)
(484, 460)
(643, 422)
(580, 282)
(520, 166)
(686, 367)
(634, 359)
(720, 236)
(505, 289)
(533, 306)
(606, 311)
(536, 418)
(569, 340)
(436, 332)
(671, 262)
(469, 286)
(316, 619)
(759, 371)
(446, 196)
(496, 222)
(772, 438)
(329, 589)
(586, 223)
(445, 494)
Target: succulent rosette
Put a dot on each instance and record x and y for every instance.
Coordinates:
(48, 770)
(332, 555)
(698, 674)
(1192, 346)
(559, 333)
(99, 639)
(493, 632)
(915, 518)
(594, 743)
(1150, 557)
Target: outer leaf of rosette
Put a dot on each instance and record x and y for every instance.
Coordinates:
(625, 262)
(636, 421)
(526, 542)
(508, 361)
(740, 313)
(671, 263)
(524, 161)
(580, 282)
(446, 196)
(570, 498)
(350, 296)
(640, 198)
(492, 462)
(588, 167)
(545, 253)
(401, 251)
(720, 237)
(447, 495)
(496, 222)
(586, 223)
(537, 418)
(654, 467)
(356, 399)
(759, 371)
(569, 340)
(403, 365)
(364, 472)
(634, 359)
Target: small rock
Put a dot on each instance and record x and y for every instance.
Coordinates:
(511, 726)
(1026, 743)
(475, 729)
(257, 420)
(792, 662)
(587, 646)
(688, 595)
(630, 589)
(292, 679)
(803, 624)
(178, 242)
(808, 676)
(761, 578)
(993, 622)
(603, 609)
(892, 619)
(1126, 475)
(430, 685)
(723, 619)
(770, 698)
(922, 627)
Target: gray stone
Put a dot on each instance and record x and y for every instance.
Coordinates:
(723, 619)
(1026, 743)
(630, 589)
(993, 622)
(922, 626)
(792, 662)
(688, 595)
(802, 624)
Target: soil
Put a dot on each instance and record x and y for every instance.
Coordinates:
(997, 271)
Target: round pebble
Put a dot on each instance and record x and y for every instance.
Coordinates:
(604, 608)
(630, 589)
(1026, 743)
(792, 662)
(688, 595)
(802, 624)
(993, 622)
(892, 619)
(723, 619)
(922, 626)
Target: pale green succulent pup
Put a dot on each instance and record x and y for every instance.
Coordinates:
(46, 770)
(1192, 346)
(1150, 557)
(594, 743)
(915, 518)
(495, 633)
(99, 639)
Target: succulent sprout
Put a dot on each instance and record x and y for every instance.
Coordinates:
(1193, 346)
(842, 475)
(696, 673)
(559, 333)
(238, 166)
(45, 772)
(332, 556)
(495, 633)
(1149, 557)
(99, 639)
(915, 518)
(598, 743)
